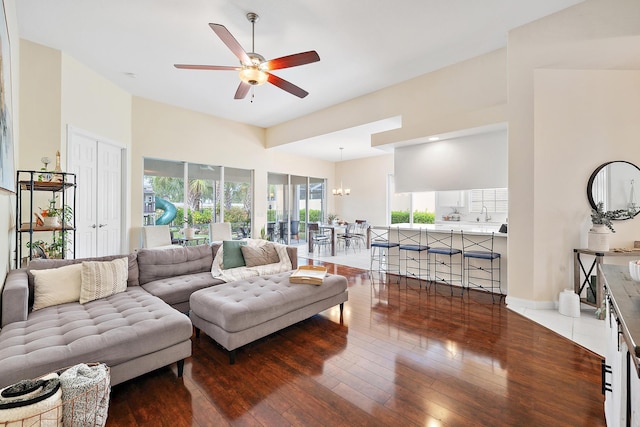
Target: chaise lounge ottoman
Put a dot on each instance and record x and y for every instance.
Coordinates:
(237, 313)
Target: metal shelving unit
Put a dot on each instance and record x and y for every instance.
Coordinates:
(29, 182)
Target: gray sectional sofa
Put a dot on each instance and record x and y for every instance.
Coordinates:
(133, 332)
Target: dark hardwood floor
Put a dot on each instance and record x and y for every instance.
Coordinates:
(402, 355)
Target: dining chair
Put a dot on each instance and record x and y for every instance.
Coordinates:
(348, 238)
(154, 236)
(318, 238)
(295, 229)
(360, 232)
(219, 231)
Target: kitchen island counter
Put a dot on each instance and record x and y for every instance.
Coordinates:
(474, 231)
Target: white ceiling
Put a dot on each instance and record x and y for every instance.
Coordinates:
(363, 45)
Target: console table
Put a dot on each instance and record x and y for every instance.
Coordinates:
(579, 269)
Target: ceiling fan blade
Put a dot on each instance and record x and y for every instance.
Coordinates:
(206, 67)
(231, 42)
(287, 86)
(292, 60)
(242, 91)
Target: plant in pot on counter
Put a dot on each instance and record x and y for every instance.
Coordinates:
(601, 217)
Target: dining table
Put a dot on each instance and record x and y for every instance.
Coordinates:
(336, 230)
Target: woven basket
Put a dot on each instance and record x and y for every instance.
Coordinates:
(88, 408)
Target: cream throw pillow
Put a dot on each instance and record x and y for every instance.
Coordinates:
(101, 279)
(55, 286)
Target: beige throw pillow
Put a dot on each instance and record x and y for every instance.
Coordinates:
(55, 286)
(101, 279)
(260, 255)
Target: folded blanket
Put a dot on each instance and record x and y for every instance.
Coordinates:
(85, 393)
(241, 273)
(36, 403)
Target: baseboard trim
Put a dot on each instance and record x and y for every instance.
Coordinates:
(517, 304)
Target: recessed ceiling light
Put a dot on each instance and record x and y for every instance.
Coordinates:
(434, 138)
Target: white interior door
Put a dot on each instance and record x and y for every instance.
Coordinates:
(98, 168)
(108, 199)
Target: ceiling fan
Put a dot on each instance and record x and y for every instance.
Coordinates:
(254, 69)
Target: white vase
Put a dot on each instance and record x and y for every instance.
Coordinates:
(50, 221)
(599, 237)
(189, 233)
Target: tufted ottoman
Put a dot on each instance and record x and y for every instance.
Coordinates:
(237, 313)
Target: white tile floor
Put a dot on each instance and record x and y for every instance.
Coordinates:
(585, 330)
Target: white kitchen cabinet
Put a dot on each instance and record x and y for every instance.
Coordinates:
(634, 392)
(614, 380)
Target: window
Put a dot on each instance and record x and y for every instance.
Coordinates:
(210, 193)
(495, 200)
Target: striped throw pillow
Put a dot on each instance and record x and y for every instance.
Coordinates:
(101, 279)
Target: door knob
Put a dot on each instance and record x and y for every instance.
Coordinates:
(93, 226)
(102, 225)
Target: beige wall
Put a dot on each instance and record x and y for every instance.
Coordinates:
(92, 103)
(596, 34)
(594, 113)
(40, 104)
(466, 95)
(167, 132)
(367, 179)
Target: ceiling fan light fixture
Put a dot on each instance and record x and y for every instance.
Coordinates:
(253, 76)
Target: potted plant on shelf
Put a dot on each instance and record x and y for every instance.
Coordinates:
(599, 235)
(53, 249)
(53, 216)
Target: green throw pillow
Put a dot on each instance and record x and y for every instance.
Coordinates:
(232, 254)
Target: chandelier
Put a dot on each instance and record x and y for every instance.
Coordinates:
(341, 191)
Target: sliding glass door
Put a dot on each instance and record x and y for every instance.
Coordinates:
(292, 202)
(180, 193)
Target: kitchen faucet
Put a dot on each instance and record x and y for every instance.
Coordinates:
(487, 218)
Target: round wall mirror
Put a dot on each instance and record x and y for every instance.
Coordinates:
(617, 185)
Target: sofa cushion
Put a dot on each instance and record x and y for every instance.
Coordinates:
(112, 330)
(178, 289)
(55, 286)
(101, 279)
(232, 254)
(157, 264)
(42, 264)
(260, 255)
